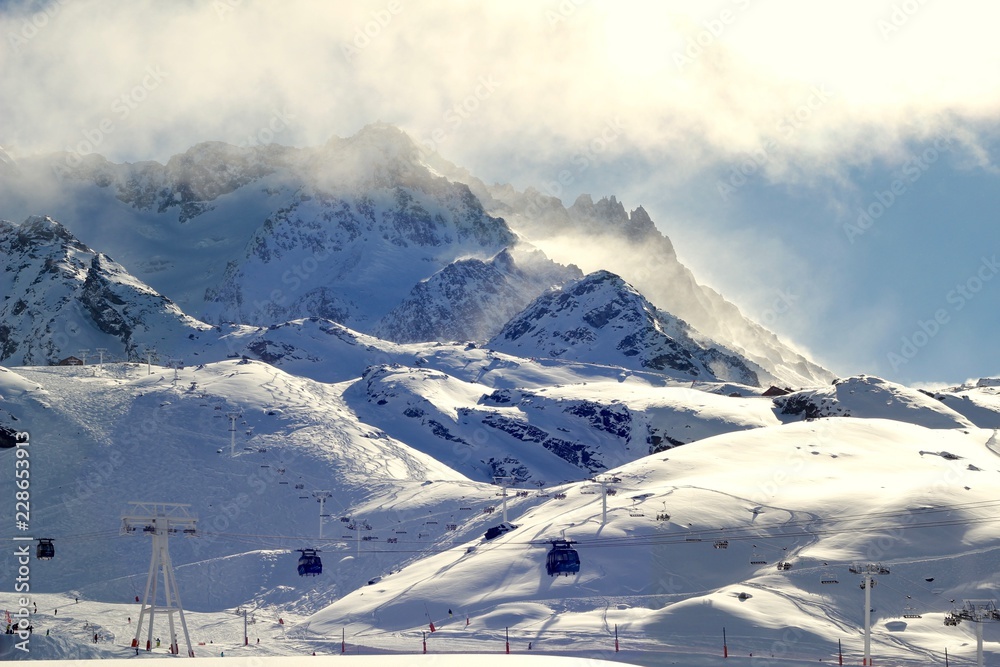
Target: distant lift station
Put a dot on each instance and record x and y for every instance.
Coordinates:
(310, 564)
(562, 559)
(45, 549)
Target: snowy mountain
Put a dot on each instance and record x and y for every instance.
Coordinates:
(870, 398)
(603, 235)
(472, 299)
(60, 296)
(603, 319)
(368, 232)
(979, 402)
(348, 254)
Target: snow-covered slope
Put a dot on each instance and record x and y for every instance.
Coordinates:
(872, 398)
(103, 438)
(601, 318)
(798, 491)
(778, 494)
(979, 402)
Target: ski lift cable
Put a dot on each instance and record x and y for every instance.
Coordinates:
(632, 540)
(734, 534)
(644, 540)
(742, 535)
(916, 584)
(909, 602)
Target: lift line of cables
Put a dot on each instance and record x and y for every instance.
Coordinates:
(798, 528)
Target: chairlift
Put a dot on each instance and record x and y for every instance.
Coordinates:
(310, 564)
(721, 544)
(784, 565)
(562, 559)
(560, 496)
(829, 578)
(910, 612)
(588, 491)
(45, 549)
(756, 558)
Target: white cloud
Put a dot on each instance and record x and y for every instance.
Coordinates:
(564, 69)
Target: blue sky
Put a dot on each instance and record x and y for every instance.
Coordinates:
(823, 106)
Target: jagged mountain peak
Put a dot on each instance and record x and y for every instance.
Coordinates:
(631, 245)
(606, 209)
(377, 155)
(472, 298)
(43, 231)
(60, 295)
(601, 318)
(387, 137)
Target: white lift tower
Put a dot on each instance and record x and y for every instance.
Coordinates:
(867, 571)
(978, 612)
(161, 520)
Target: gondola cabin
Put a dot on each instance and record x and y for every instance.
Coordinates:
(45, 549)
(310, 564)
(498, 530)
(562, 559)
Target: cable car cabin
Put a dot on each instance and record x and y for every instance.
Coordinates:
(498, 530)
(310, 564)
(45, 549)
(562, 559)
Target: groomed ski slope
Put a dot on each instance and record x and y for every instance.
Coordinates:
(819, 494)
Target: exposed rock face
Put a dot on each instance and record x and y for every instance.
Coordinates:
(602, 319)
(472, 299)
(60, 296)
